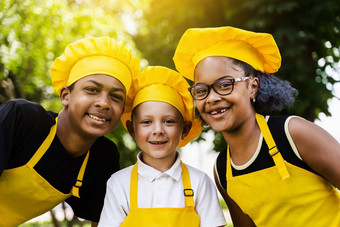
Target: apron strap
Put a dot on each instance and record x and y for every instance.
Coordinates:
(75, 188)
(134, 187)
(273, 150)
(44, 146)
(188, 192)
(229, 174)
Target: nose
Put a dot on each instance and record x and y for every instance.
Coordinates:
(158, 128)
(213, 97)
(103, 102)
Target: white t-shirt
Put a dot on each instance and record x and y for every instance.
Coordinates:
(157, 189)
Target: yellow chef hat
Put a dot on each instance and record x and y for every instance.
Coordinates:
(157, 83)
(257, 49)
(89, 56)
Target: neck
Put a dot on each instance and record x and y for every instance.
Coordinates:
(243, 141)
(161, 165)
(73, 142)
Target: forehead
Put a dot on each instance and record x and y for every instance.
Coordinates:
(212, 68)
(156, 109)
(102, 80)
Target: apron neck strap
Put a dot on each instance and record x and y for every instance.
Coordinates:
(273, 150)
(134, 187)
(44, 146)
(75, 188)
(188, 192)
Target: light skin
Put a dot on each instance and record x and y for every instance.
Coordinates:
(234, 116)
(158, 133)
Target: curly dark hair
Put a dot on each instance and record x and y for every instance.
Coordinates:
(273, 93)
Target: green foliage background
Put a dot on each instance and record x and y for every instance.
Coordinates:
(34, 32)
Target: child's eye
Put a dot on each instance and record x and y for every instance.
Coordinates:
(117, 98)
(91, 89)
(145, 122)
(169, 121)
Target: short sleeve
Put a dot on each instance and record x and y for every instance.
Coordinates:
(23, 126)
(116, 203)
(103, 162)
(207, 203)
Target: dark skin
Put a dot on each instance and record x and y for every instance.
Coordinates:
(234, 116)
(92, 109)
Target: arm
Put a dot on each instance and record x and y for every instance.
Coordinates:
(116, 202)
(317, 148)
(239, 218)
(206, 201)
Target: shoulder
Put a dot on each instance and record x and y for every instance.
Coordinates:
(105, 147)
(198, 177)
(120, 178)
(21, 109)
(103, 160)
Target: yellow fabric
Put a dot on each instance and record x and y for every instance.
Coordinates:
(257, 49)
(89, 56)
(273, 150)
(161, 93)
(157, 83)
(24, 194)
(271, 201)
(161, 217)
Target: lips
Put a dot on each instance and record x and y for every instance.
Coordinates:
(97, 118)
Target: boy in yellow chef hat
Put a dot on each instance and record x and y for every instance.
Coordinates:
(274, 172)
(159, 190)
(48, 157)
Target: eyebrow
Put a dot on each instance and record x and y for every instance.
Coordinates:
(101, 85)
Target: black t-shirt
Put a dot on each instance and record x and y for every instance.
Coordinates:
(25, 125)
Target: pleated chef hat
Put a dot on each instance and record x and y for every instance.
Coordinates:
(89, 56)
(157, 83)
(257, 49)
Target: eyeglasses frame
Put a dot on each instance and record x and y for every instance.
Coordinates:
(211, 86)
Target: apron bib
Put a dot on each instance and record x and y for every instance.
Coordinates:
(162, 217)
(277, 196)
(24, 194)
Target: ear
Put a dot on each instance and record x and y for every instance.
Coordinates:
(130, 129)
(186, 129)
(254, 86)
(64, 95)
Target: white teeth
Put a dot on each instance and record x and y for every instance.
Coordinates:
(96, 118)
(219, 111)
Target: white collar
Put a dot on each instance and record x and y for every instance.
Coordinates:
(150, 173)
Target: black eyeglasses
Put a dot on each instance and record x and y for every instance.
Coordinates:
(222, 86)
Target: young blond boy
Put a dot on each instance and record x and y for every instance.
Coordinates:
(159, 190)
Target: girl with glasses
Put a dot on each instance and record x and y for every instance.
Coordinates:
(276, 170)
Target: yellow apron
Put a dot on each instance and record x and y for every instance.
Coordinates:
(24, 194)
(162, 217)
(284, 195)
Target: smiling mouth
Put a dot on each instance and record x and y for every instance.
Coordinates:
(97, 118)
(214, 112)
(157, 142)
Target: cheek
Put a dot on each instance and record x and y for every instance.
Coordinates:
(118, 108)
(199, 106)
